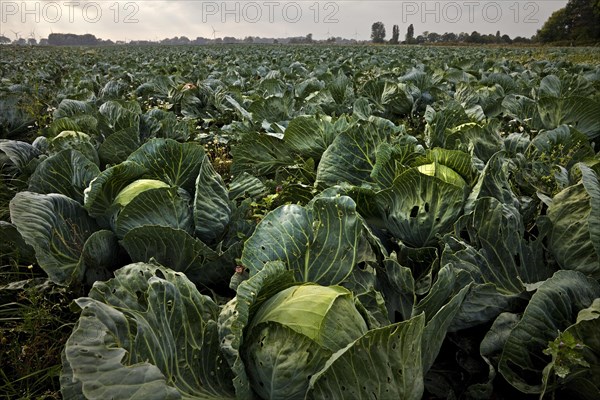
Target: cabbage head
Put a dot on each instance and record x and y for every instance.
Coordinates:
(294, 333)
(130, 191)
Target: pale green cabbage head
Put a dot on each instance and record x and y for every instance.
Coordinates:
(130, 191)
(294, 333)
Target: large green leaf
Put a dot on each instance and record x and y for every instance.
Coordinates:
(118, 146)
(388, 98)
(351, 156)
(260, 154)
(102, 191)
(309, 136)
(319, 245)
(524, 110)
(237, 314)
(17, 154)
(177, 250)
(552, 309)
(121, 116)
(282, 371)
(441, 316)
(384, 363)
(100, 256)
(146, 334)
(57, 227)
(503, 257)
(582, 373)
(482, 140)
(68, 172)
(161, 207)
(575, 231)
(442, 121)
(74, 140)
(419, 207)
(212, 208)
(580, 112)
(172, 162)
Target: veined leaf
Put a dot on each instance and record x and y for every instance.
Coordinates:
(319, 245)
(384, 363)
(57, 227)
(68, 172)
(146, 334)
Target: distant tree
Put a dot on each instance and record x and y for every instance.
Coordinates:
(395, 35)
(555, 28)
(70, 39)
(248, 39)
(31, 41)
(449, 37)
(378, 32)
(475, 37)
(577, 21)
(410, 34)
(433, 37)
(506, 39)
(309, 38)
(4, 40)
(520, 39)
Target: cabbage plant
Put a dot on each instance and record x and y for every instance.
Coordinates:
(321, 319)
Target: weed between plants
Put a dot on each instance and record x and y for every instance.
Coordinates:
(35, 322)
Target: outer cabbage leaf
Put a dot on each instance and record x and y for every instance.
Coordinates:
(102, 191)
(384, 363)
(177, 164)
(419, 207)
(18, 154)
(74, 140)
(161, 206)
(503, 257)
(580, 112)
(575, 232)
(552, 309)
(309, 136)
(68, 172)
(146, 334)
(440, 122)
(351, 156)
(320, 245)
(57, 227)
(118, 146)
(212, 208)
(177, 250)
(99, 257)
(237, 314)
(260, 154)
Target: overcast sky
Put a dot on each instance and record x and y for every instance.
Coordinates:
(158, 19)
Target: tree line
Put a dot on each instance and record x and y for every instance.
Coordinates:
(577, 22)
(378, 34)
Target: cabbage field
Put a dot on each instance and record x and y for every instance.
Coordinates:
(300, 222)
